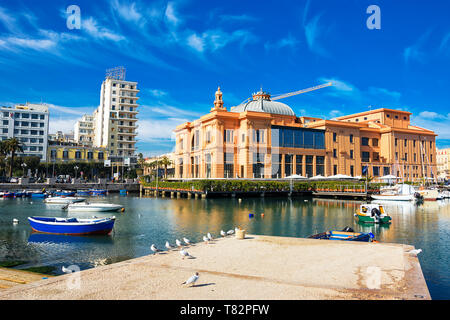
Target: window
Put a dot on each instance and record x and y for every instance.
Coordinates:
(65, 154)
(396, 141)
(309, 166)
(276, 165)
(25, 123)
(258, 136)
(288, 137)
(365, 141)
(406, 143)
(287, 165)
(352, 171)
(90, 155)
(42, 116)
(414, 143)
(334, 169)
(415, 157)
(229, 136)
(386, 171)
(5, 122)
(5, 130)
(351, 138)
(374, 142)
(396, 117)
(34, 116)
(228, 160)
(100, 155)
(334, 136)
(53, 154)
(406, 157)
(334, 153)
(243, 137)
(258, 165)
(298, 164)
(351, 154)
(25, 116)
(365, 156)
(376, 171)
(320, 162)
(375, 156)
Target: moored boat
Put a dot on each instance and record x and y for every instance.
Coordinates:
(71, 226)
(429, 194)
(347, 234)
(372, 213)
(64, 193)
(63, 200)
(93, 207)
(98, 192)
(8, 194)
(83, 192)
(398, 192)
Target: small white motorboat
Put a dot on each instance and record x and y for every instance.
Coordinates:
(63, 200)
(399, 192)
(92, 206)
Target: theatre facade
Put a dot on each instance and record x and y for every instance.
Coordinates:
(262, 138)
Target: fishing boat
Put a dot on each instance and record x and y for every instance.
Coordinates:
(7, 194)
(96, 207)
(72, 226)
(37, 194)
(83, 192)
(64, 193)
(347, 234)
(98, 192)
(63, 200)
(372, 213)
(398, 192)
(429, 194)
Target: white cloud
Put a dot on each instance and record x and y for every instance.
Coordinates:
(196, 42)
(171, 15)
(432, 115)
(151, 130)
(289, 41)
(90, 25)
(128, 12)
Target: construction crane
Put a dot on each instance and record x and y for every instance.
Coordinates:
(285, 95)
(282, 96)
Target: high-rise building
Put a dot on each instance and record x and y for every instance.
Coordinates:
(29, 124)
(115, 118)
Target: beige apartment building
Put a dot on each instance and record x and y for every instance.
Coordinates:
(84, 130)
(443, 163)
(262, 138)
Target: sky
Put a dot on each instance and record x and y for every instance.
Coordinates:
(180, 51)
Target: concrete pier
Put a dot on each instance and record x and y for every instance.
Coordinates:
(258, 267)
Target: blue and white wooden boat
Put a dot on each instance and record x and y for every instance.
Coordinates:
(83, 192)
(123, 192)
(347, 235)
(98, 192)
(64, 193)
(72, 226)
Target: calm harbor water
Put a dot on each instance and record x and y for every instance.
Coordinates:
(157, 220)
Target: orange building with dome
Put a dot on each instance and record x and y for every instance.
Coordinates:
(262, 138)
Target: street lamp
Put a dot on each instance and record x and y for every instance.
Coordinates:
(23, 165)
(76, 169)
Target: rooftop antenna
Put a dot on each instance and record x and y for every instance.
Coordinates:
(117, 73)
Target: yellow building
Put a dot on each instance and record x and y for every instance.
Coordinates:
(262, 138)
(76, 153)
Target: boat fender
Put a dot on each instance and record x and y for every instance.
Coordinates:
(122, 210)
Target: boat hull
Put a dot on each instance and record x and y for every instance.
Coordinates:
(101, 227)
(343, 236)
(93, 208)
(408, 197)
(368, 219)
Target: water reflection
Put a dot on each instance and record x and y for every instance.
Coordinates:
(157, 220)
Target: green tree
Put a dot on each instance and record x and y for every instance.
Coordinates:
(165, 162)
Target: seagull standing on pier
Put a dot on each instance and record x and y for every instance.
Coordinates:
(205, 239)
(209, 236)
(65, 270)
(415, 252)
(230, 232)
(154, 248)
(184, 253)
(178, 242)
(222, 233)
(187, 241)
(192, 279)
(168, 246)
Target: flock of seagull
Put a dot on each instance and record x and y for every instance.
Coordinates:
(184, 254)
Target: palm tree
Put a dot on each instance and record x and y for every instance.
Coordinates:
(3, 154)
(165, 162)
(12, 146)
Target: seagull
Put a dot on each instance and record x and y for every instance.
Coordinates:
(230, 232)
(187, 241)
(178, 242)
(15, 221)
(154, 248)
(209, 236)
(184, 253)
(222, 233)
(205, 239)
(415, 251)
(168, 246)
(191, 280)
(65, 270)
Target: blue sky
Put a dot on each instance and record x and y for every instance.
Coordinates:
(180, 51)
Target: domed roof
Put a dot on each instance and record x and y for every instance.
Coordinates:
(261, 103)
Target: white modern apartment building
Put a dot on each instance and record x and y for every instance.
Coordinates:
(443, 163)
(84, 130)
(29, 124)
(115, 118)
